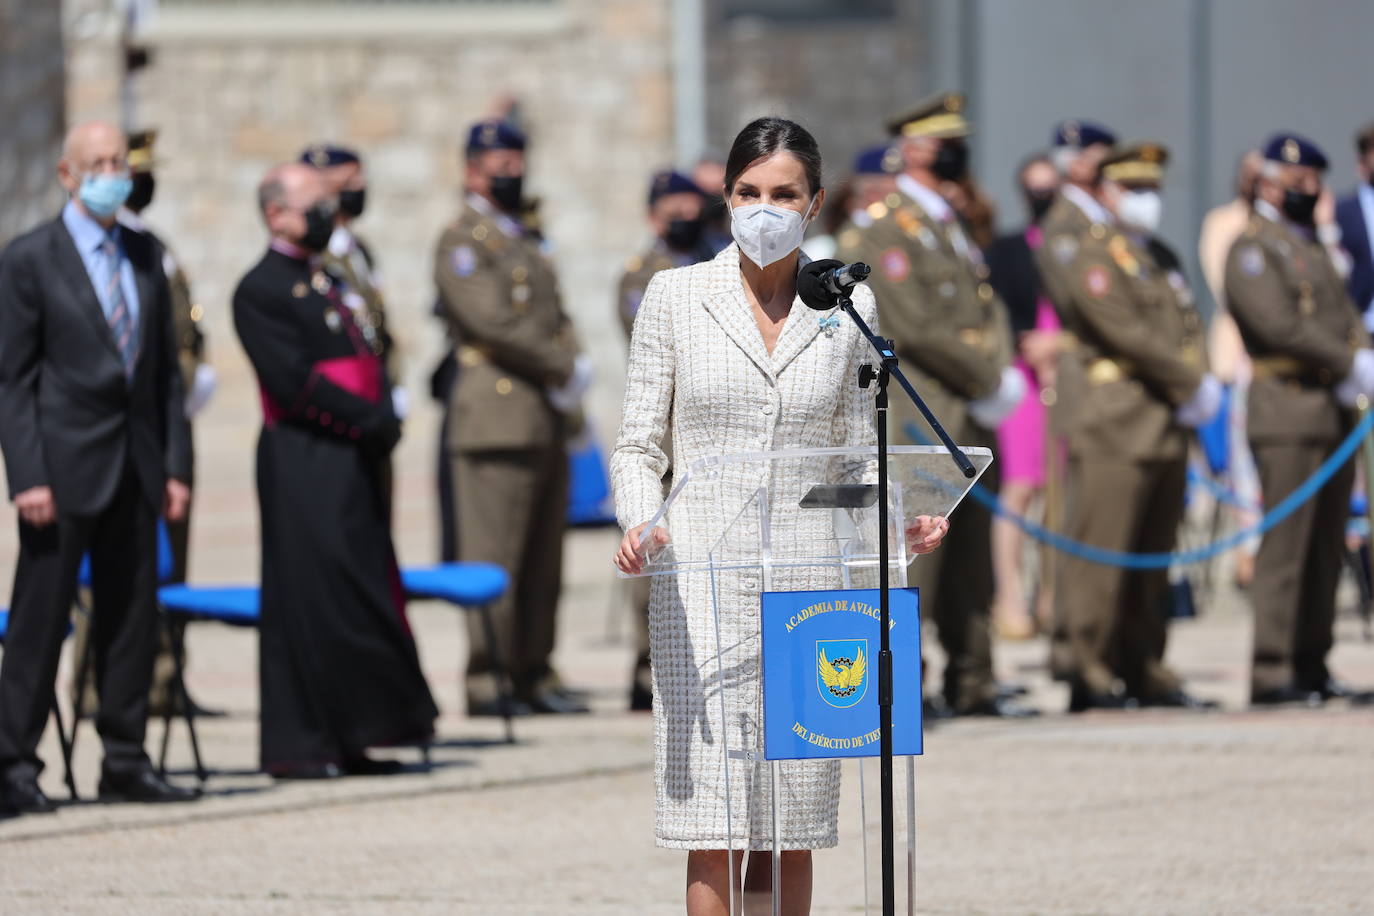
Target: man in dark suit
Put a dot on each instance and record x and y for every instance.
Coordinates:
(96, 444)
(1355, 215)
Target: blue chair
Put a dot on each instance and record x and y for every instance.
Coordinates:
(474, 586)
(467, 585)
(165, 564)
(589, 490)
(63, 738)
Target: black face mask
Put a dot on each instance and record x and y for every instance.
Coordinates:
(1039, 203)
(351, 203)
(319, 226)
(951, 160)
(714, 211)
(1298, 206)
(141, 195)
(684, 234)
(507, 191)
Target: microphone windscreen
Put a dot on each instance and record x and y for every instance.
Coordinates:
(811, 289)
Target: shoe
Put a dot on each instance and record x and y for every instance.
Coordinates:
(1180, 699)
(496, 708)
(312, 771)
(999, 707)
(556, 703)
(934, 709)
(1081, 699)
(1010, 689)
(22, 796)
(1332, 689)
(197, 711)
(142, 785)
(1291, 695)
(641, 699)
(368, 766)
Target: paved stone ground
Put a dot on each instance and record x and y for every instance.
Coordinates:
(1233, 812)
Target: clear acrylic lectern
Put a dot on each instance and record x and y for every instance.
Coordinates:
(792, 520)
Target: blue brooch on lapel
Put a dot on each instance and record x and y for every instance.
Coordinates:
(828, 324)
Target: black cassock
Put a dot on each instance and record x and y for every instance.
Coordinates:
(338, 666)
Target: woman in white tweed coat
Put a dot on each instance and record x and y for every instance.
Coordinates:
(725, 359)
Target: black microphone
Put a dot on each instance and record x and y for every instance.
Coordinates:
(822, 284)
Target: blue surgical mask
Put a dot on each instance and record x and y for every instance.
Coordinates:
(103, 195)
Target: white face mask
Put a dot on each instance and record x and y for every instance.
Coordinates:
(1140, 209)
(766, 233)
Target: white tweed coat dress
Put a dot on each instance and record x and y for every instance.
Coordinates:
(699, 372)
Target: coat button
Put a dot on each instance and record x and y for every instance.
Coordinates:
(750, 584)
(767, 410)
(503, 386)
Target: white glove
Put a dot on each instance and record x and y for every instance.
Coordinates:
(202, 389)
(1203, 405)
(990, 411)
(566, 397)
(1360, 381)
(400, 402)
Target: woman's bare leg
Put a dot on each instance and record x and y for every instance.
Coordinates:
(708, 882)
(796, 883)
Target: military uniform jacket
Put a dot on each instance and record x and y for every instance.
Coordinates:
(500, 296)
(635, 280)
(1062, 227)
(1132, 350)
(1299, 327)
(949, 327)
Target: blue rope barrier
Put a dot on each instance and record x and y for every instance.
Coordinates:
(1220, 492)
(1287, 507)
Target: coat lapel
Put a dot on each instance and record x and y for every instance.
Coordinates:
(73, 272)
(726, 303)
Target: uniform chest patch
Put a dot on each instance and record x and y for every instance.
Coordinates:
(896, 266)
(1097, 281)
(463, 260)
(1251, 261)
(1065, 247)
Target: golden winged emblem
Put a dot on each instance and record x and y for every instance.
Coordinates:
(843, 676)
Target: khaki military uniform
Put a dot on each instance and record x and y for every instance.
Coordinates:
(1301, 332)
(506, 442)
(950, 332)
(1133, 353)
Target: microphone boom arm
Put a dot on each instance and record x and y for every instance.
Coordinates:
(889, 363)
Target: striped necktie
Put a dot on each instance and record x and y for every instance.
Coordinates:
(121, 322)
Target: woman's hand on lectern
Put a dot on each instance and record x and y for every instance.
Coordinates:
(629, 559)
(925, 533)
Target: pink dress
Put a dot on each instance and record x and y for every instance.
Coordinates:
(1021, 437)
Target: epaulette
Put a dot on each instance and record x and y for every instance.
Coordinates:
(1120, 250)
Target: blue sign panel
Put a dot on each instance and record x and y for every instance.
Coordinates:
(820, 673)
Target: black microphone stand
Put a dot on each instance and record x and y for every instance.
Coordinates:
(888, 368)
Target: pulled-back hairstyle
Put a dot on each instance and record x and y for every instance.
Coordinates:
(766, 136)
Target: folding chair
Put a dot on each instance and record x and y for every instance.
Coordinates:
(472, 586)
(62, 736)
(83, 669)
(236, 606)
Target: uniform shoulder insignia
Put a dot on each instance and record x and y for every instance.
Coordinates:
(896, 266)
(1097, 280)
(1250, 259)
(463, 260)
